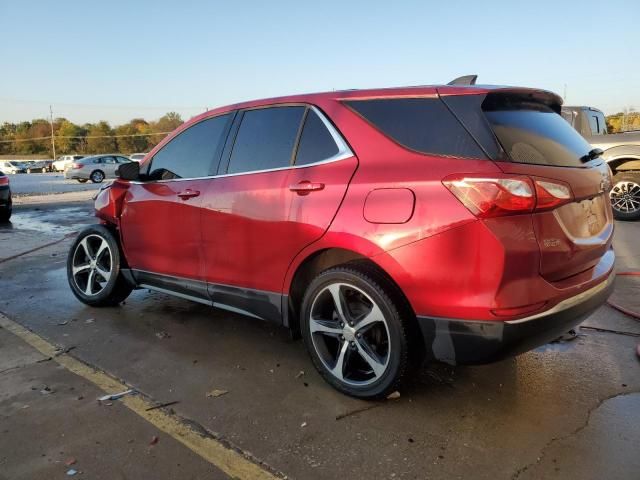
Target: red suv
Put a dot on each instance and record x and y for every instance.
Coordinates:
(453, 223)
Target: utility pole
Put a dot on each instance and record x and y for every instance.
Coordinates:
(53, 141)
(565, 93)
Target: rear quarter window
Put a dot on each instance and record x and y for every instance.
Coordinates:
(424, 125)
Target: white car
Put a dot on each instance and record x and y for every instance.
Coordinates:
(64, 161)
(12, 167)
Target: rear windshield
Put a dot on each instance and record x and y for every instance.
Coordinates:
(424, 125)
(533, 133)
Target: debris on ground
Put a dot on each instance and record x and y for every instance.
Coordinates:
(303, 424)
(216, 393)
(89, 320)
(162, 405)
(154, 440)
(393, 396)
(115, 396)
(47, 390)
(300, 374)
(71, 472)
(570, 336)
(70, 461)
(62, 351)
(63, 323)
(162, 334)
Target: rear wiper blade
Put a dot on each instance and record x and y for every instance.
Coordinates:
(592, 155)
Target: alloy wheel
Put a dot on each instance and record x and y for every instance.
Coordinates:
(625, 196)
(350, 334)
(92, 265)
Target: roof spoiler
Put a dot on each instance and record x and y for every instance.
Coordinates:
(464, 80)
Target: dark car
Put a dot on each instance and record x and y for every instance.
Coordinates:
(459, 223)
(5, 198)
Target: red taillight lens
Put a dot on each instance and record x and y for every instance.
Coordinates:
(4, 181)
(493, 197)
(509, 195)
(551, 194)
(76, 165)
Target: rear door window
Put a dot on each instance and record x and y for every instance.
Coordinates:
(265, 139)
(597, 123)
(535, 134)
(316, 143)
(424, 125)
(192, 152)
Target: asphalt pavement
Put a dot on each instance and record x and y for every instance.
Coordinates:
(23, 184)
(566, 410)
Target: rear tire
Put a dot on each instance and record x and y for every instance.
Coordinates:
(361, 348)
(93, 268)
(625, 196)
(5, 214)
(97, 176)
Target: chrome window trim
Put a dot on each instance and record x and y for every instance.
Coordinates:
(343, 152)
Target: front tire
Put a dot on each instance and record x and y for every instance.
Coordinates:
(93, 268)
(625, 196)
(356, 331)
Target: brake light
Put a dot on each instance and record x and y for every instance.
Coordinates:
(509, 195)
(4, 181)
(76, 165)
(493, 197)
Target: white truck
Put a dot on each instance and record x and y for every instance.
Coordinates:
(620, 150)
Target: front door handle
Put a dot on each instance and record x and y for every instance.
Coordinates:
(305, 187)
(188, 193)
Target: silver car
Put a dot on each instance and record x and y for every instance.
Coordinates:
(95, 168)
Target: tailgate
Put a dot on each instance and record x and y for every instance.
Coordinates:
(573, 237)
(574, 233)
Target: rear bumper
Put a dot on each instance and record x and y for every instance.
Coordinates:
(475, 342)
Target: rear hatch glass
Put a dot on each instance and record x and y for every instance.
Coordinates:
(535, 134)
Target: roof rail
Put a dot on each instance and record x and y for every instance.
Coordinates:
(464, 80)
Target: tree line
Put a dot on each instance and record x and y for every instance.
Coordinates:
(34, 138)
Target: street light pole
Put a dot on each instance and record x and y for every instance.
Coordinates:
(53, 142)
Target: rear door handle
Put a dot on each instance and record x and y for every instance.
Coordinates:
(188, 193)
(305, 187)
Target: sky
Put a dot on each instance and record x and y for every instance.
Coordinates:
(118, 60)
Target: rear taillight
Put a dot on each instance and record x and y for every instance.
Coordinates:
(4, 181)
(493, 197)
(551, 194)
(76, 165)
(508, 195)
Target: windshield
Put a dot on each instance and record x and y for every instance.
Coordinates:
(535, 134)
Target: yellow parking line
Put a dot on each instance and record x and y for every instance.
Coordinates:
(229, 461)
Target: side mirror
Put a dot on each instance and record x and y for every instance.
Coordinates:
(128, 171)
